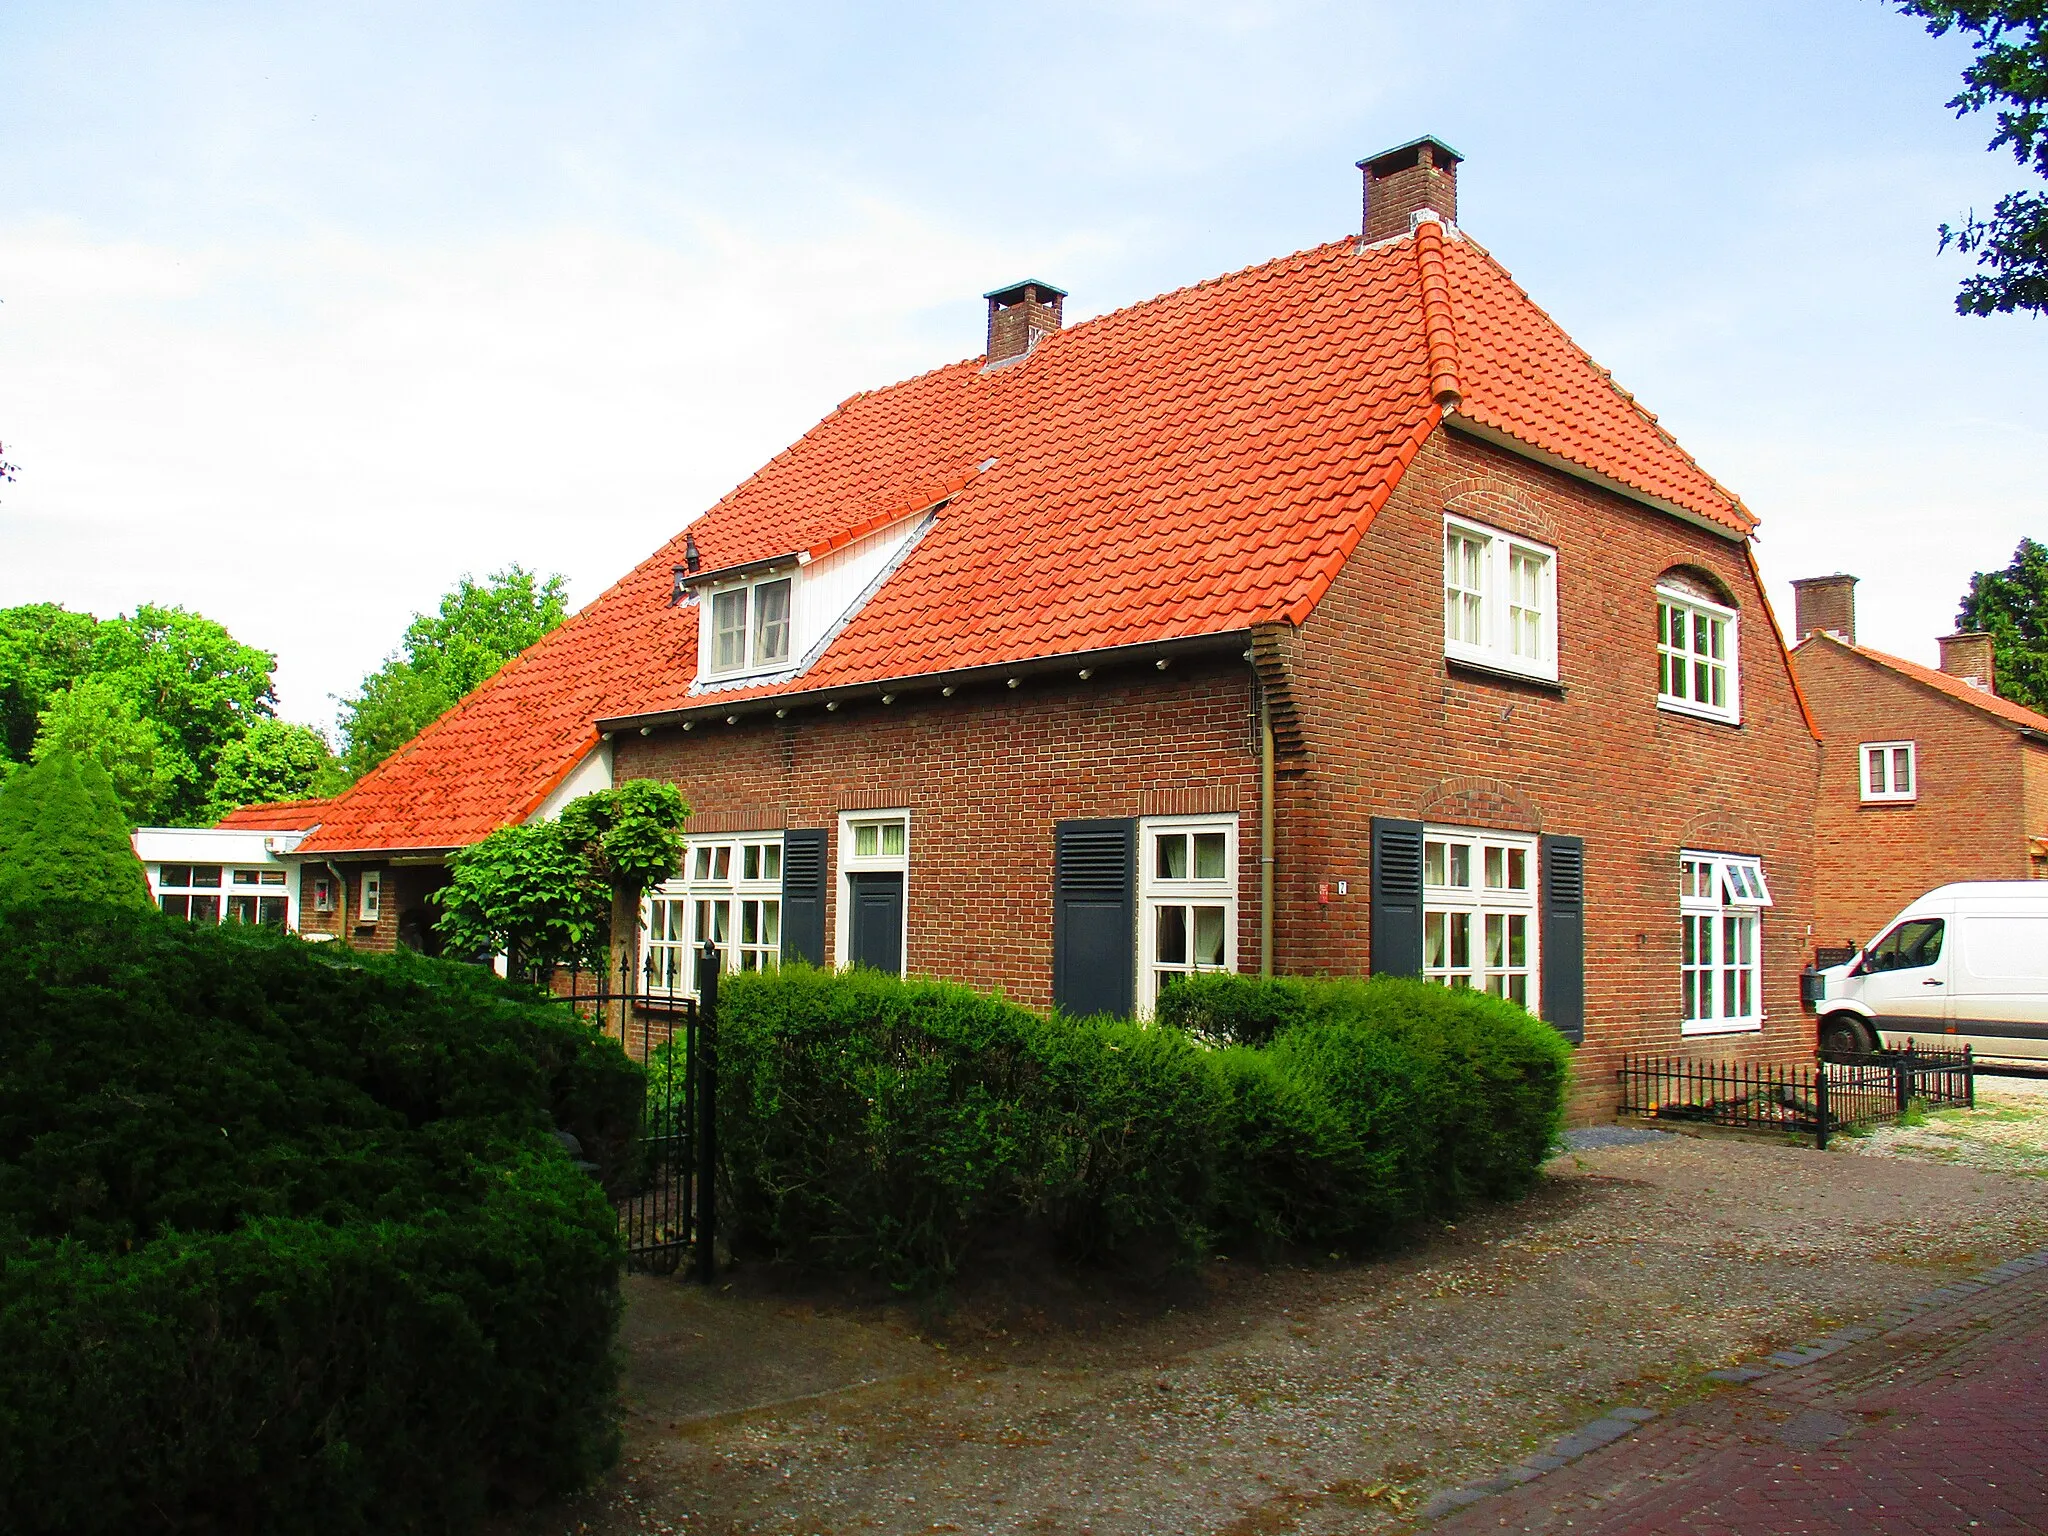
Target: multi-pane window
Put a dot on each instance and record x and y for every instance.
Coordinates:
(1888, 771)
(1479, 911)
(749, 627)
(1721, 897)
(1696, 670)
(1500, 600)
(213, 893)
(729, 893)
(1188, 889)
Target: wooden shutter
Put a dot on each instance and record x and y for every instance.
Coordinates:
(1564, 935)
(1094, 916)
(803, 896)
(1396, 897)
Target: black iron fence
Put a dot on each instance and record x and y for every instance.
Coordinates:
(1836, 1093)
(667, 1196)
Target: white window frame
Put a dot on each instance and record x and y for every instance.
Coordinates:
(370, 898)
(852, 863)
(323, 894)
(1482, 912)
(1721, 902)
(250, 881)
(1158, 893)
(1685, 662)
(1494, 649)
(1887, 754)
(676, 914)
(752, 662)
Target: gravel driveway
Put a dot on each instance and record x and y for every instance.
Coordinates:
(1310, 1400)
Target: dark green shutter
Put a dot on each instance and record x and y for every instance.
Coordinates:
(803, 896)
(1094, 916)
(1564, 935)
(1396, 897)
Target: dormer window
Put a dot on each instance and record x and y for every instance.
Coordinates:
(749, 626)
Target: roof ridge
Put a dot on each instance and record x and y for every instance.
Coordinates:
(1607, 374)
(1947, 683)
(1437, 324)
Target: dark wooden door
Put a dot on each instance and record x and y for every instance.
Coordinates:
(877, 926)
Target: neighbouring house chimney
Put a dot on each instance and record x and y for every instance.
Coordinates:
(1401, 182)
(1826, 603)
(1968, 655)
(1020, 316)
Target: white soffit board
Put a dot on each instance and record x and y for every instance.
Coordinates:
(587, 777)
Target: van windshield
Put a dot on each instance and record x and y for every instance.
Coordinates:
(1907, 947)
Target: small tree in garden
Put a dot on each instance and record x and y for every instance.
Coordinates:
(62, 836)
(566, 892)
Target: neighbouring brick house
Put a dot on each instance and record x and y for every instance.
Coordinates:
(1927, 777)
(1332, 615)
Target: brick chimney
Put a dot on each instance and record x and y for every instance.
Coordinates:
(1968, 655)
(1422, 173)
(1019, 316)
(1826, 603)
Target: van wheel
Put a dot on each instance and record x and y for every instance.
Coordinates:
(1843, 1034)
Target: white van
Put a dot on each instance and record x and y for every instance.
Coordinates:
(1965, 964)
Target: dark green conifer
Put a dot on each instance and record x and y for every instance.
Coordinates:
(63, 837)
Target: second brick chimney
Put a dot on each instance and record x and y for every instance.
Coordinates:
(1826, 603)
(1019, 316)
(1422, 173)
(1968, 655)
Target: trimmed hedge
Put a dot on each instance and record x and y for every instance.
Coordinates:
(879, 1126)
(288, 1242)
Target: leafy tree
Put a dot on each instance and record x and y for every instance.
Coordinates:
(2010, 72)
(2011, 606)
(276, 760)
(96, 719)
(63, 837)
(43, 647)
(565, 892)
(444, 655)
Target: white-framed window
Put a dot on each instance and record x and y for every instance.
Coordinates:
(372, 904)
(323, 894)
(1479, 924)
(215, 893)
(747, 627)
(728, 891)
(1500, 600)
(1696, 657)
(1187, 900)
(873, 843)
(1889, 770)
(1721, 899)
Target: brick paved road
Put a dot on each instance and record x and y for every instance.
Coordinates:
(1939, 1425)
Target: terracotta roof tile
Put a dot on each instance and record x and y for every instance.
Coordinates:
(1942, 682)
(1194, 465)
(276, 816)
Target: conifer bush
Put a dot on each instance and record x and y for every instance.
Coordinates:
(63, 835)
(286, 1241)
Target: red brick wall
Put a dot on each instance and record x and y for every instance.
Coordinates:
(2034, 762)
(1389, 731)
(1967, 824)
(405, 887)
(1393, 731)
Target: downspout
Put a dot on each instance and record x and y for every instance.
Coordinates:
(340, 901)
(1265, 832)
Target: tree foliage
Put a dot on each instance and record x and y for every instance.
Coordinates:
(2010, 74)
(43, 648)
(276, 760)
(563, 892)
(2011, 606)
(97, 719)
(63, 836)
(478, 627)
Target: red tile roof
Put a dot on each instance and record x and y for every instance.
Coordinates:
(1193, 465)
(1942, 682)
(276, 816)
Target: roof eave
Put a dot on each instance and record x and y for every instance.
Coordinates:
(1459, 422)
(1154, 651)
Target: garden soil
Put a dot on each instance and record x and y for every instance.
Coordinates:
(1246, 1400)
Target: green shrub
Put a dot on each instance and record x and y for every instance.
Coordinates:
(63, 836)
(1221, 1009)
(287, 1240)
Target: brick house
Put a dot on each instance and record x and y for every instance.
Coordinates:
(1332, 615)
(1927, 777)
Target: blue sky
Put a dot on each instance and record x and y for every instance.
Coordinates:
(307, 311)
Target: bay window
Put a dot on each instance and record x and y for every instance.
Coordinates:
(1721, 899)
(1479, 926)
